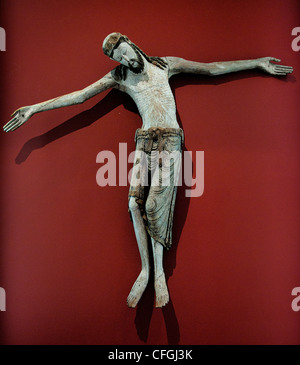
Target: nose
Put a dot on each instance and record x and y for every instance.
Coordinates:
(125, 58)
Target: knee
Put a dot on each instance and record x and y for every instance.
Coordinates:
(133, 206)
(150, 205)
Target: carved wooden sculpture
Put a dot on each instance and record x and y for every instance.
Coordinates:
(146, 80)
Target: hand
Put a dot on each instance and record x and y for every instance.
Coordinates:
(19, 117)
(266, 65)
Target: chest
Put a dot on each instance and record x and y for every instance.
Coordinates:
(153, 80)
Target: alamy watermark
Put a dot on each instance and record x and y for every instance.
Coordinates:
(156, 169)
(2, 39)
(296, 301)
(296, 41)
(2, 300)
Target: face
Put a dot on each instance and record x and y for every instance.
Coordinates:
(129, 57)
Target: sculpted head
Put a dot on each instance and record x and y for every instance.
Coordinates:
(119, 48)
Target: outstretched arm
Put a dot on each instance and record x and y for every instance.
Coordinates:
(21, 115)
(178, 65)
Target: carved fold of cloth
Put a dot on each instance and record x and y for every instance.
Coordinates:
(155, 177)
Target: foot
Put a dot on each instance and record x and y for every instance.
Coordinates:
(161, 291)
(137, 289)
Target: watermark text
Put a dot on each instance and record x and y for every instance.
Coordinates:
(2, 300)
(296, 41)
(296, 301)
(152, 169)
(2, 39)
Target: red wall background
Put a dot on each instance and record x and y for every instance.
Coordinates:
(68, 251)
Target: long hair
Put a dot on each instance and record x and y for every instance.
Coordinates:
(121, 70)
(156, 61)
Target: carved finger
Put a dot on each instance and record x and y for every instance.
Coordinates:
(280, 73)
(280, 69)
(15, 112)
(9, 128)
(285, 67)
(11, 122)
(7, 124)
(275, 59)
(12, 129)
(16, 126)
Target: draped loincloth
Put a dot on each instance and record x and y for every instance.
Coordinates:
(154, 179)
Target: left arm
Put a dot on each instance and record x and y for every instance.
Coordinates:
(178, 65)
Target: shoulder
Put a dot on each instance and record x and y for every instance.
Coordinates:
(174, 64)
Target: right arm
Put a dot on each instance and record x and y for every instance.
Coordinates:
(21, 115)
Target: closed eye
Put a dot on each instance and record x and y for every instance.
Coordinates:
(116, 58)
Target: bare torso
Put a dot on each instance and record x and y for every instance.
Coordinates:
(152, 94)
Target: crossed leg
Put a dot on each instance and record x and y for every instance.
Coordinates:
(138, 288)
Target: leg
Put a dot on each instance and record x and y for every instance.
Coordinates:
(141, 236)
(159, 211)
(160, 285)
